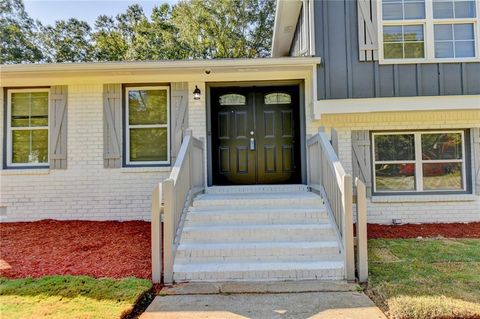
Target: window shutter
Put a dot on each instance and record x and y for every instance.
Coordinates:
(179, 116)
(334, 140)
(476, 158)
(361, 163)
(58, 126)
(367, 30)
(112, 125)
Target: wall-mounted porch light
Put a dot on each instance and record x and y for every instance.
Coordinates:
(196, 93)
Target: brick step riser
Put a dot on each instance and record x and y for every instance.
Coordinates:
(258, 203)
(258, 235)
(256, 189)
(316, 256)
(263, 275)
(214, 220)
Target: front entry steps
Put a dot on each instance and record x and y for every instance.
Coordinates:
(276, 233)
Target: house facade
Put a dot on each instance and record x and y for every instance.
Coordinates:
(70, 149)
(390, 71)
(399, 83)
(252, 164)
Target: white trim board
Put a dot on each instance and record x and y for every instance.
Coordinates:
(396, 104)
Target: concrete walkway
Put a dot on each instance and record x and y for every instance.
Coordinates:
(334, 300)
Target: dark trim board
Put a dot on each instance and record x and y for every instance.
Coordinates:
(261, 84)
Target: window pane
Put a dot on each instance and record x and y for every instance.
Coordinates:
(392, 11)
(39, 115)
(148, 144)
(413, 32)
(392, 34)
(395, 147)
(395, 177)
(463, 31)
(414, 10)
(465, 49)
(29, 146)
(441, 146)
(443, 32)
(233, 99)
(147, 107)
(278, 98)
(414, 50)
(442, 176)
(393, 51)
(464, 9)
(444, 50)
(29, 109)
(442, 10)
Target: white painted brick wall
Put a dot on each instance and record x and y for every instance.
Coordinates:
(445, 208)
(85, 190)
(88, 191)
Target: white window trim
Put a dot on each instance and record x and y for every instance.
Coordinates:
(9, 156)
(128, 126)
(418, 161)
(428, 35)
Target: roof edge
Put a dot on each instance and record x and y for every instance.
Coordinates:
(157, 65)
(287, 13)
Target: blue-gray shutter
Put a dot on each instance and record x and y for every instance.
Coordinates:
(58, 126)
(361, 158)
(112, 125)
(179, 117)
(367, 30)
(476, 158)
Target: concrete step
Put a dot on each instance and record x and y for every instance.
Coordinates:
(241, 189)
(257, 233)
(259, 251)
(267, 271)
(252, 215)
(287, 199)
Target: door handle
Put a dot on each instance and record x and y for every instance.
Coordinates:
(252, 144)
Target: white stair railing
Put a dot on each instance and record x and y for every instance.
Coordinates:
(185, 181)
(327, 176)
(361, 230)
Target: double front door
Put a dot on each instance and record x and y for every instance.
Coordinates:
(255, 135)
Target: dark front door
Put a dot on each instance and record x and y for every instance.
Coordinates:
(255, 135)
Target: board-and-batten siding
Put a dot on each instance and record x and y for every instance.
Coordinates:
(341, 75)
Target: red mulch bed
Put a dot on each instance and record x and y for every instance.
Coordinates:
(454, 230)
(98, 249)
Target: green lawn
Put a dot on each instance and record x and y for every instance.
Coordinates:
(69, 297)
(426, 278)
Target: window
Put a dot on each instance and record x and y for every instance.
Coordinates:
(403, 42)
(27, 127)
(278, 98)
(416, 31)
(147, 130)
(403, 9)
(454, 40)
(419, 161)
(458, 9)
(232, 99)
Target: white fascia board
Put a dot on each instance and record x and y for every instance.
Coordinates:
(183, 65)
(396, 104)
(287, 14)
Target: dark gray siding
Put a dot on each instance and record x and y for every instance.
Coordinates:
(342, 75)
